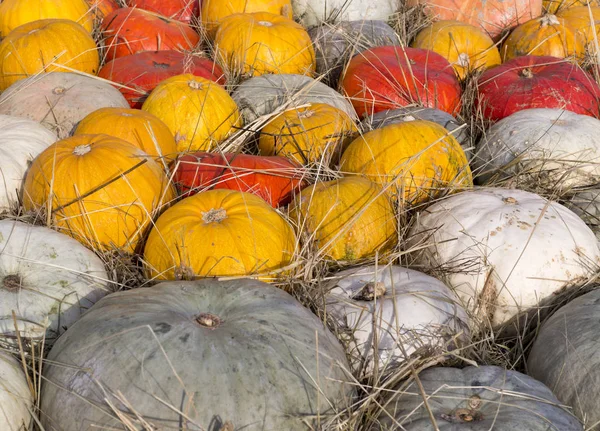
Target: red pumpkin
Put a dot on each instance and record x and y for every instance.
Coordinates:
(536, 82)
(180, 10)
(141, 72)
(390, 77)
(130, 30)
(275, 179)
(101, 8)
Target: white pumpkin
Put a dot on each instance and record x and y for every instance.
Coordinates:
(397, 311)
(59, 100)
(47, 278)
(314, 12)
(21, 140)
(553, 148)
(503, 251)
(16, 401)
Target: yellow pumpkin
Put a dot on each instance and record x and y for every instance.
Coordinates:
(219, 233)
(199, 112)
(45, 46)
(101, 190)
(310, 134)
(578, 20)
(348, 219)
(137, 127)
(14, 13)
(258, 43)
(465, 46)
(213, 11)
(547, 35)
(552, 6)
(420, 157)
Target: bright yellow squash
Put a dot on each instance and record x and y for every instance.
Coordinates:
(420, 157)
(199, 112)
(578, 20)
(213, 11)
(45, 46)
(219, 233)
(101, 190)
(552, 6)
(465, 46)
(257, 43)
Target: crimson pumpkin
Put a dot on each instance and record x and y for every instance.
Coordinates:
(180, 10)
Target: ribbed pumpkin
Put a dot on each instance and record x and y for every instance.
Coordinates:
(347, 219)
(421, 157)
(219, 233)
(139, 128)
(552, 6)
(545, 36)
(213, 11)
(43, 46)
(199, 112)
(100, 8)
(180, 10)
(465, 46)
(100, 190)
(14, 13)
(310, 134)
(258, 43)
(578, 20)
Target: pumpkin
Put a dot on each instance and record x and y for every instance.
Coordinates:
(138, 74)
(139, 128)
(100, 8)
(564, 356)
(274, 179)
(59, 100)
(47, 279)
(503, 251)
(263, 95)
(493, 16)
(389, 77)
(306, 135)
(14, 13)
(268, 361)
(552, 6)
(21, 140)
(577, 19)
(214, 11)
(478, 398)
(258, 43)
(15, 396)
(392, 314)
(314, 12)
(129, 30)
(544, 36)
(466, 47)
(421, 158)
(199, 112)
(551, 148)
(219, 233)
(101, 190)
(585, 202)
(186, 11)
(536, 82)
(346, 219)
(335, 44)
(45, 46)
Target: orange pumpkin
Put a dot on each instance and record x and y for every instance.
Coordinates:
(213, 11)
(101, 8)
(553, 6)
(99, 189)
(578, 20)
(262, 42)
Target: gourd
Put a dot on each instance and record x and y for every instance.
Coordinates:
(15, 396)
(181, 10)
(214, 11)
(314, 12)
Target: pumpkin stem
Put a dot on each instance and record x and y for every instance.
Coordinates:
(214, 215)
(12, 283)
(527, 73)
(463, 60)
(509, 200)
(80, 150)
(306, 113)
(58, 90)
(265, 23)
(208, 320)
(549, 19)
(195, 85)
(370, 291)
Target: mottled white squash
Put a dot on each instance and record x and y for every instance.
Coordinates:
(314, 12)
(16, 401)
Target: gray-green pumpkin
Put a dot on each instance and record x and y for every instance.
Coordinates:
(194, 356)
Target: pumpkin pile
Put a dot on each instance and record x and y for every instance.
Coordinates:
(299, 215)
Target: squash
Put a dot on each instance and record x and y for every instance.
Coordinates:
(59, 100)
(14, 13)
(15, 397)
(578, 20)
(266, 362)
(307, 135)
(553, 6)
(199, 112)
(46, 46)
(186, 11)
(465, 46)
(314, 12)
(21, 140)
(47, 279)
(393, 314)
(253, 44)
(214, 11)
(585, 202)
(346, 219)
(389, 77)
(503, 251)
(219, 233)
(138, 74)
(478, 398)
(275, 179)
(101, 190)
(100, 8)
(139, 128)
(420, 158)
(564, 356)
